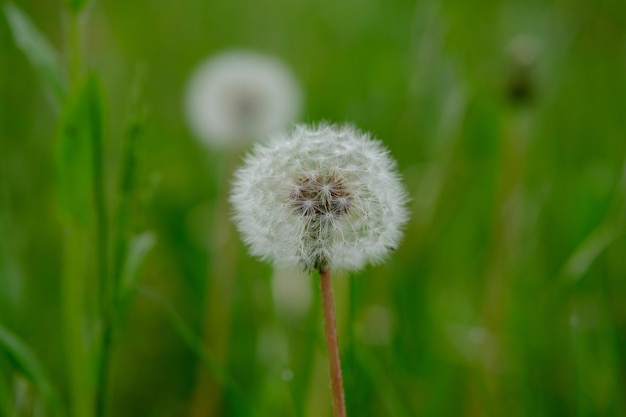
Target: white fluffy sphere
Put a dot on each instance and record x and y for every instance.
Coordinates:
(239, 96)
(322, 197)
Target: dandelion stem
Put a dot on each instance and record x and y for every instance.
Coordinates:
(330, 326)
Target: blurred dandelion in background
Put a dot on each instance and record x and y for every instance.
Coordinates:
(237, 96)
(523, 52)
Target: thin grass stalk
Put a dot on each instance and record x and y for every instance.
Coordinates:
(73, 289)
(76, 242)
(111, 283)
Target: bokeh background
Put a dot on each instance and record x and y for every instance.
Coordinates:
(506, 296)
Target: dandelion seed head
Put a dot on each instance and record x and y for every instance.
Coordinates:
(238, 96)
(523, 52)
(319, 197)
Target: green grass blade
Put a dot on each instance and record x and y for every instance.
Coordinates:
(600, 238)
(124, 278)
(588, 251)
(79, 348)
(81, 128)
(43, 57)
(26, 363)
(80, 183)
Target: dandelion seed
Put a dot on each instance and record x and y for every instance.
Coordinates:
(321, 198)
(239, 96)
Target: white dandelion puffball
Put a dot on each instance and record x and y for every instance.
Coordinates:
(238, 96)
(322, 198)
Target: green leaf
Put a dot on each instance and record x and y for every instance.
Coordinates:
(23, 358)
(43, 57)
(78, 147)
(26, 363)
(588, 251)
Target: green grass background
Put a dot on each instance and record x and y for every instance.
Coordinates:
(507, 294)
